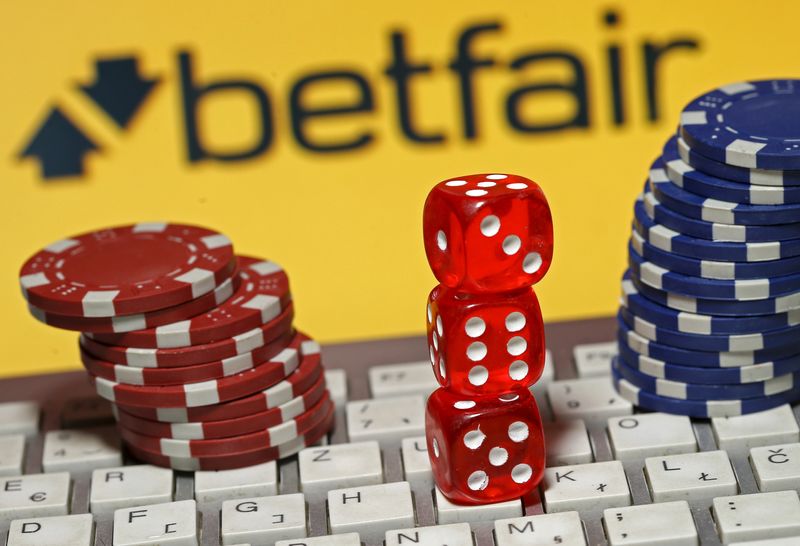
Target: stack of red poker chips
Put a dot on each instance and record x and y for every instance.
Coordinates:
(193, 346)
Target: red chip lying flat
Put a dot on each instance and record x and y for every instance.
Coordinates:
(205, 393)
(193, 354)
(237, 460)
(262, 294)
(120, 373)
(294, 385)
(151, 319)
(227, 427)
(127, 269)
(271, 437)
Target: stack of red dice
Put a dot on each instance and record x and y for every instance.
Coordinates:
(489, 239)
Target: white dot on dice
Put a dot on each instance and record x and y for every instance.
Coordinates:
(475, 327)
(511, 245)
(518, 431)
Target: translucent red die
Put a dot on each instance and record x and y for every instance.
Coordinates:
(484, 449)
(482, 344)
(488, 232)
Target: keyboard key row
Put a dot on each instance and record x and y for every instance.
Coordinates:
(631, 436)
(571, 486)
(385, 511)
(408, 378)
(360, 463)
(416, 378)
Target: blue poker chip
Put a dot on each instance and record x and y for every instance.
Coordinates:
(698, 408)
(761, 177)
(711, 269)
(721, 212)
(787, 339)
(709, 376)
(712, 289)
(781, 304)
(692, 323)
(669, 388)
(747, 124)
(669, 240)
(715, 231)
(708, 185)
(695, 358)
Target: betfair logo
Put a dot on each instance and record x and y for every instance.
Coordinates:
(121, 91)
(61, 145)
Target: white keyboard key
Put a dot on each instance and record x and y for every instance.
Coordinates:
(168, 524)
(19, 418)
(386, 420)
(336, 381)
(691, 476)
(539, 389)
(12, 454)
(567, 442)
(86, 411)
(787, 541)
(775, 426)
(650, 434)
(34, 495)
(758, 516)
(264, 520)
(81, 450)
(371, 510)
(447, 512)
(594, 400)
(776, 468)
(339, 466)
(259, 480)
(564, 529)
(77, 530)
(665, 524)
(455, 534)
(402, 379)
(593, 486)
(594, 359)
(346, 539)
(127, 486)
(416, 463)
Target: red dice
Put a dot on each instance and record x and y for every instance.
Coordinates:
(485, 449)
(488, 233)
(481, 344)
(488, 239)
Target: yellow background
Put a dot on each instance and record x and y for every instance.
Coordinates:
(347, 226)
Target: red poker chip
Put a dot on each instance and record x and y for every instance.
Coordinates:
(308, 373)
(121, 373)
(226, 427)
(260, 298)
(205, 393)
(271, 437)
(127, 269)
(193, 354)
(237, 460)
(151, 319)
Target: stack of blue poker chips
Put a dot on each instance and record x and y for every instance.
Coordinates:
(709, 318)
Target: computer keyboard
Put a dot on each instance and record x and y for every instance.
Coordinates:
(614, 476)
